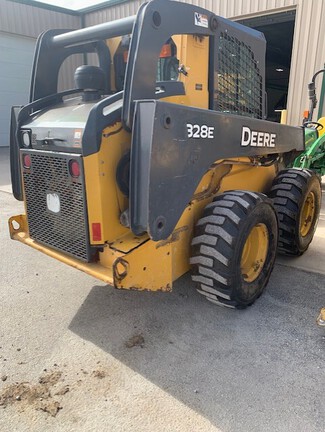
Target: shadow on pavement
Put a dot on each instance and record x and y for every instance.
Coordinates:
(262, 366)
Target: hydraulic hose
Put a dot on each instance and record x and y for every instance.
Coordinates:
(312, 95)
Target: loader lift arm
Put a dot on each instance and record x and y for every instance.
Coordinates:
(165, 158)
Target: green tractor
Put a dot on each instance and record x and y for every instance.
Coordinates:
(314, 155)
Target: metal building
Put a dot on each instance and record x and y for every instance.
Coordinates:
(307, 18)
(20, 25)
(294, 31)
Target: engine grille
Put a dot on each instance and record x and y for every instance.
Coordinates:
(67, 229)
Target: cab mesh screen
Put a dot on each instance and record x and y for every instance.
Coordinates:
(238, 81)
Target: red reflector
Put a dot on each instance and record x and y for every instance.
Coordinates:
(125, 56)
(97, 231)
(74, 168)
(27, 162)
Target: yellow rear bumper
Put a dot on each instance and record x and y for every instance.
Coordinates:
(129, 263)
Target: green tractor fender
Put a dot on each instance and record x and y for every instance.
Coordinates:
(314, 155)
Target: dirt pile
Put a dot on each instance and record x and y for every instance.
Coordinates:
(38, 395)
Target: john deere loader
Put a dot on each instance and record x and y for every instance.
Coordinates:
(160, 160)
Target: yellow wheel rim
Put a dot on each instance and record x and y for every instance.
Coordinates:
(307, 214)
(254, 253)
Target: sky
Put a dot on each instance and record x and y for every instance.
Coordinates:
(73, 4)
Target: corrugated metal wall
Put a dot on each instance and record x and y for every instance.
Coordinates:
(225, 8)
(112, 13)
(308, 46)
(240, 8)
(307, 57)
(30, 21)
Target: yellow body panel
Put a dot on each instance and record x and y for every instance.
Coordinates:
(247, 177)
(193, 54)
(104, 199)
(148, 267)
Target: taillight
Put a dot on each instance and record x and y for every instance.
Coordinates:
(74, 168)
(27, 162)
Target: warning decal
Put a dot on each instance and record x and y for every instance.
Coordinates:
(201, 20)
(77, 137)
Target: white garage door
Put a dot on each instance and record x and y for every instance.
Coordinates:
(15, 69)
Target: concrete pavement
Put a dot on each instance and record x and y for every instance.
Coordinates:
(132, 361)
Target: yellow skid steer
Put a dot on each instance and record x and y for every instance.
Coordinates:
(160, 160)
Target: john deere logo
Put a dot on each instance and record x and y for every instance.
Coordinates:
(257, 138)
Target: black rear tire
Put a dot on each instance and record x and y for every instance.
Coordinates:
(296, 194)
(220, 243)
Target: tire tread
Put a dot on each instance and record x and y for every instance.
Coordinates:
(213, 243)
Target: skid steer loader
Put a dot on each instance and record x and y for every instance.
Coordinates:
(160, 160)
